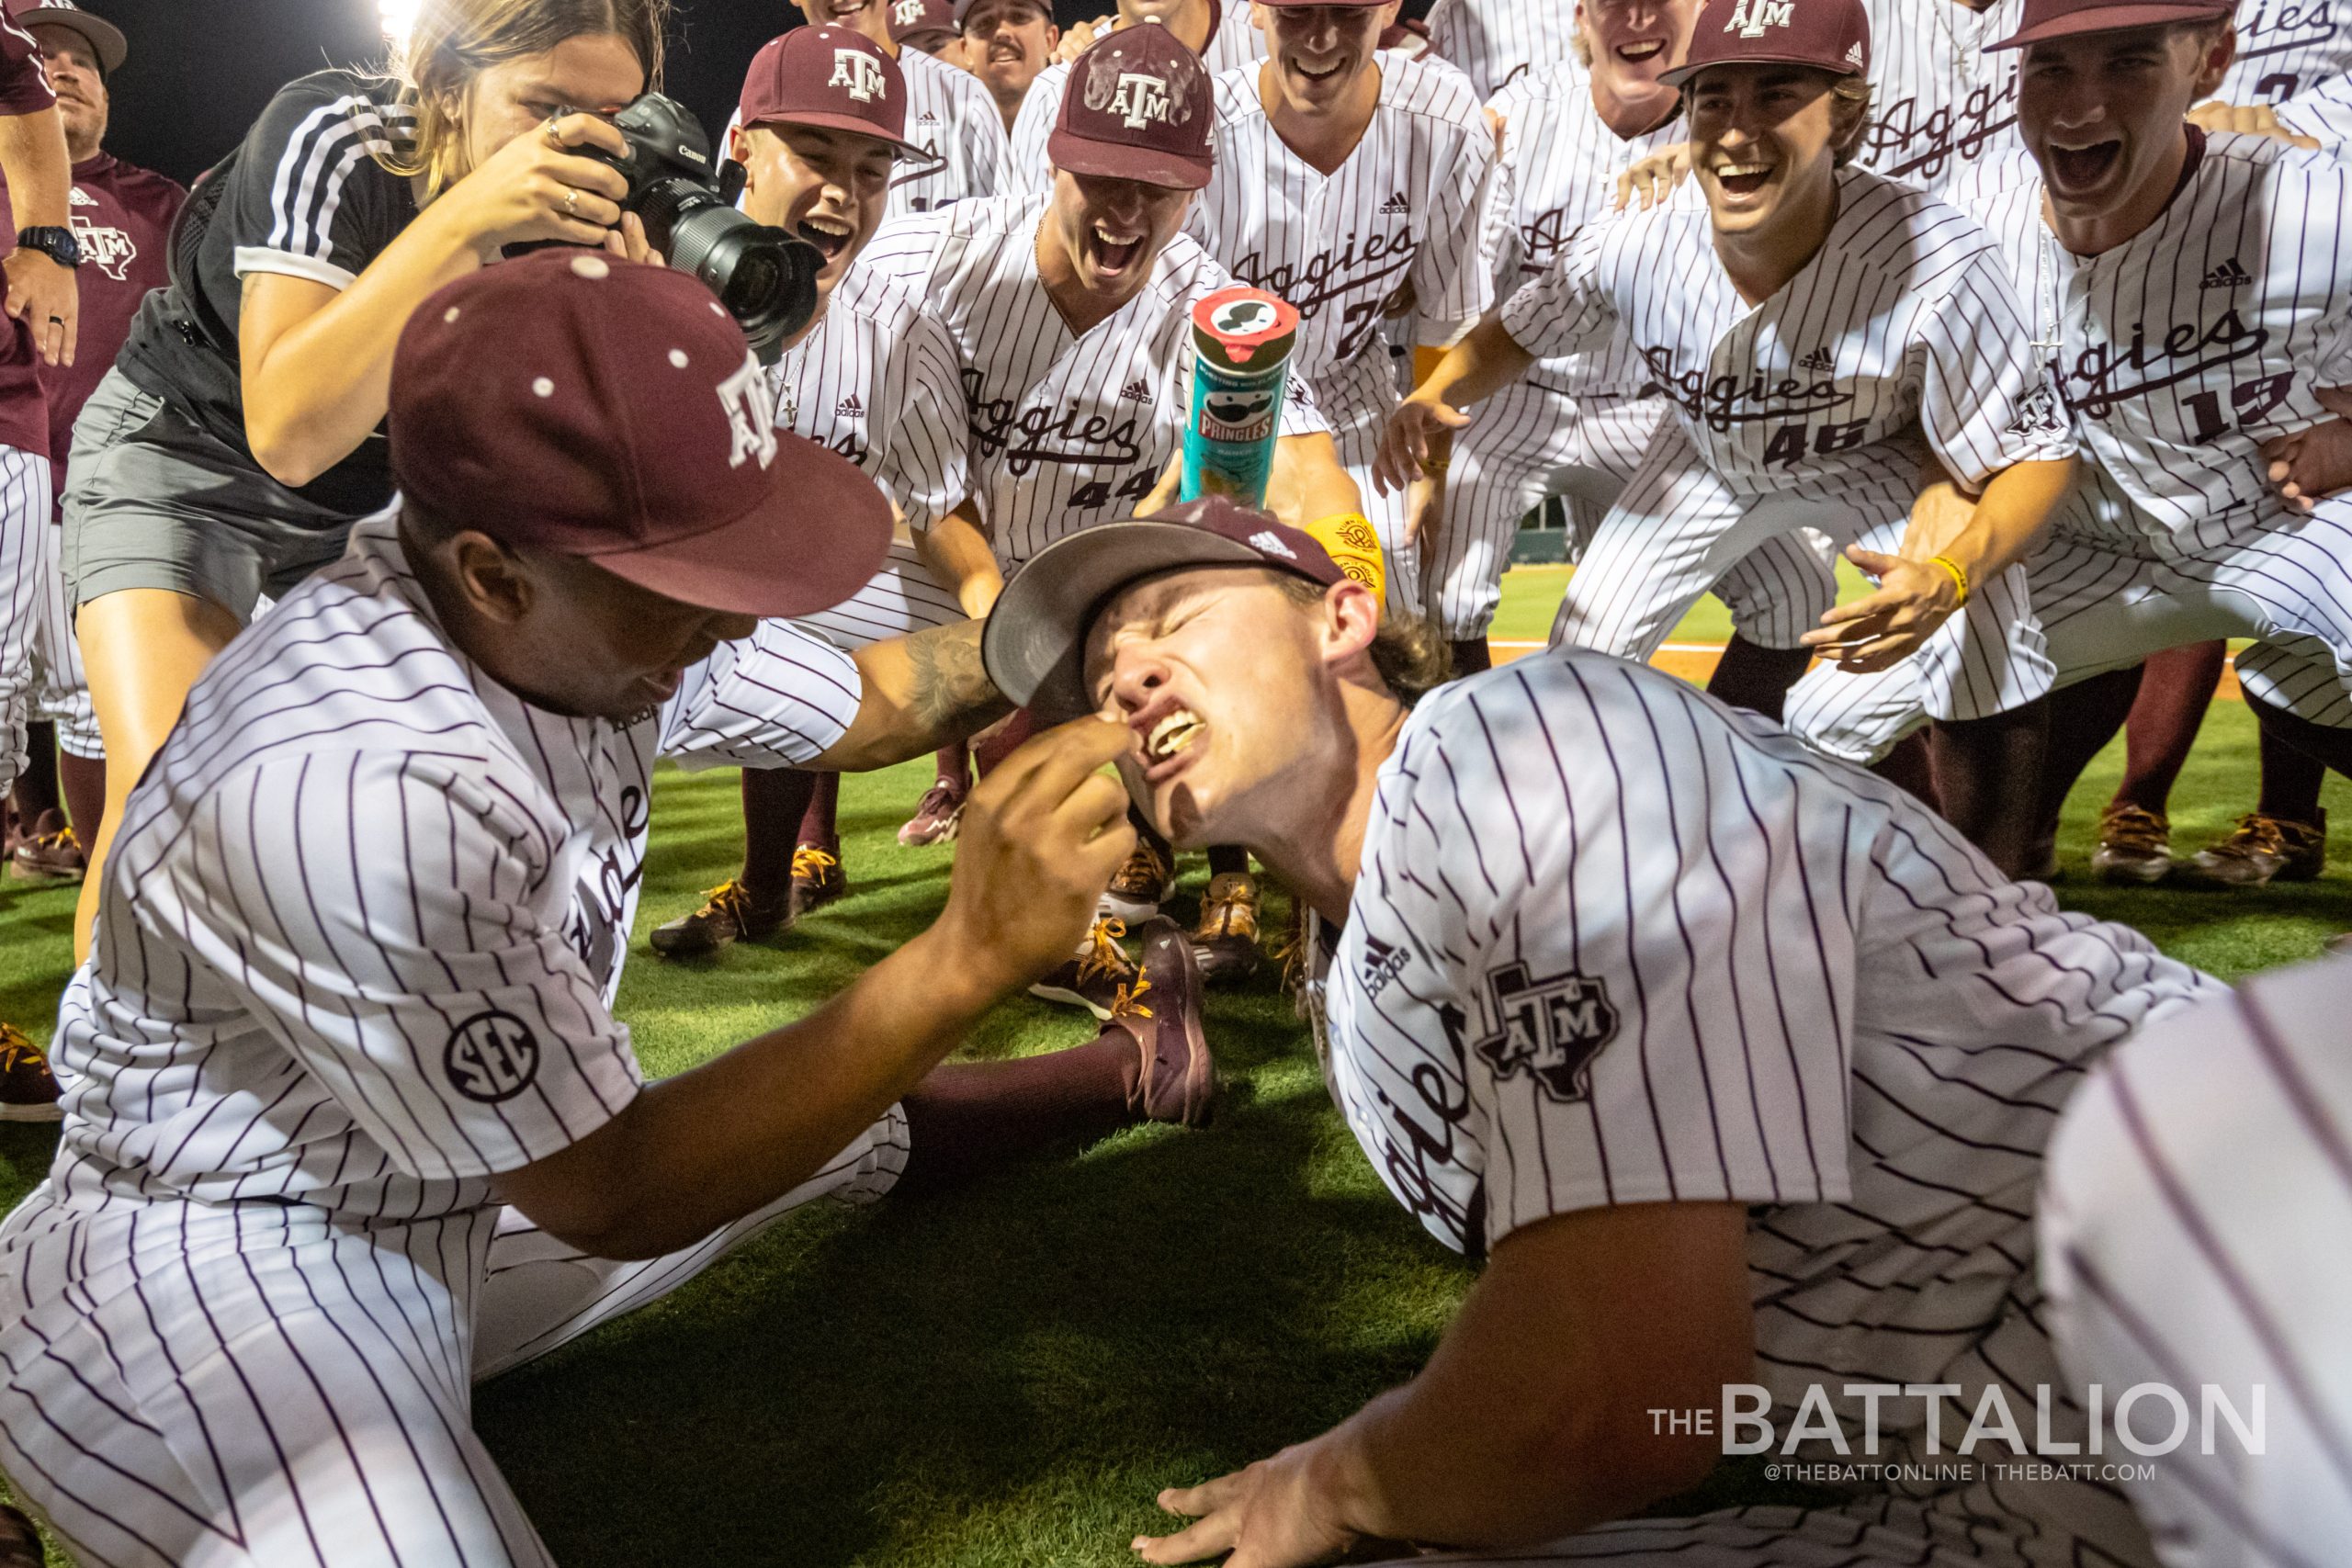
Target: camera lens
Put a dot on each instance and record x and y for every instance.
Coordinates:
(765, 277)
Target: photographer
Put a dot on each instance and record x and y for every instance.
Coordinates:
(239, 435)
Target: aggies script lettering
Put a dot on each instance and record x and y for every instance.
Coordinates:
(1715, 399)
(1904, 144)
(2094, 382)
(1363, 260)
(1023, 438)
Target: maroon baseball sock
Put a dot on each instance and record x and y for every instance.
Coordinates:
(967, 1118)
(820, 823)
(2083, 718)
(1908, 767)
(83, 780)
(2293, 769)
(1471, 655)
(774, 802)
(1224, 859)
(36, 790)
(2176, 688)
(987, 754)
(1752, 676)
(1988, 775)
(954, 763)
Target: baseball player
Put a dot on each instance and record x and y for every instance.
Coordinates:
(928, 25)
(346, 1038)
(2289, 77)
(1366, 176)
(1072, 322)
(1804, 325)
(1008, 44)
(1734, 1061)
(1219, 31)
(1576, 426)
(1494, 42)
(2191, 287)
(41, 303)
(2193, 1225)
(122, 219)
(820, 128)
(949, 114)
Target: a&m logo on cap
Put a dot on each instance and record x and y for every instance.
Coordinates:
(1141, 100)
(860, 71)
(907, 13)
(751, 415)
(1752, 17)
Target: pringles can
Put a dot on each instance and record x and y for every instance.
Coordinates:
(1241, 343)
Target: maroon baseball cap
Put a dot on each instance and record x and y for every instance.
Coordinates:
(831, 78)
(1137, 106)
(106, 39)
(1035, 642)
(964, 8)
(2046, 19)
(568, 401)
(1828, 35)
(911, 20)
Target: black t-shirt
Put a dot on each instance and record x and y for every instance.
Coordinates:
(303, 195)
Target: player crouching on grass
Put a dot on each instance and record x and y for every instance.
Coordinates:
(1814, 326)
(350, 1121)
(1734, 1063)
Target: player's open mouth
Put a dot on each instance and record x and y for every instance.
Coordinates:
(1114, 248)
(1633, 53)
(1172, 734)
(1742, 179)
(1317, 73)
(2081, 168)
(848, 8)
(830, 235)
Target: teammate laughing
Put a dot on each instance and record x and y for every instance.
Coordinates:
(1734, 1063)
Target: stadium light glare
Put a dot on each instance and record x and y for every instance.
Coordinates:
(397, 17)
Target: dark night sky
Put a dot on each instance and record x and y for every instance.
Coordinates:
(201, 70)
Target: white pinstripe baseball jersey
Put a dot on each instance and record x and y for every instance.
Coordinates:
(2199, 1193)
(1405, 208)
(1065, 432)
(1233, 41)
(2287, 49)
(2181, 350)
(1938, 101)
(1492, 41)
(1906, 313)
(367, 910)
(2323, 113)
(1611, 942)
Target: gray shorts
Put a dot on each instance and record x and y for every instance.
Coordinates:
(153, 501)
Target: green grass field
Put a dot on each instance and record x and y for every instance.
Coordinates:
(1005, 1377)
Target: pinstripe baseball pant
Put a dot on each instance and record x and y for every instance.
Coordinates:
(28, 563)
(1529, 444)
(2107, 600)
(261, 1386)
(1678, 529)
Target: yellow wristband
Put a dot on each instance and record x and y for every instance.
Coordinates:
(1354, 549)
(1959, 577)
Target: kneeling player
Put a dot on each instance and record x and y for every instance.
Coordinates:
(1735, 1063)
(349, 1120)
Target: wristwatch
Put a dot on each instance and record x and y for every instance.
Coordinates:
(58, 244)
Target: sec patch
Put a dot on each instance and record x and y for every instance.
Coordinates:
(492, 1056)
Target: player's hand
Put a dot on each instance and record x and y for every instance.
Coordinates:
(45, 297)
(1424, 511)
(538, 186)
(1079, 37)
(1273, 1514)
(2246, 119)
(1405, 445)
(1653, 178)
(1497, 123)
(2311, 464)
(1039, 840)
(1913, 599)
(629, 243)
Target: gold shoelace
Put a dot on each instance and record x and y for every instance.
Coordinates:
(731, 897)
(809, 861)
(17, 1046)
(1126, 1003)
(2255, 835)
(1105, 957)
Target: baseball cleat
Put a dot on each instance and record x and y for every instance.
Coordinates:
(48, 855)
(20, 1544)
(2259, 851)
(937, 816)
(816, 878)
(1176, 1079)
(1094, 978)
(1137, 891)
(1224, 943)
(730, 912)
(2135, 845)
(28, 1090)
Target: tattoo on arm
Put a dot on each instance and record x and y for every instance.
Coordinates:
(946, 682)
